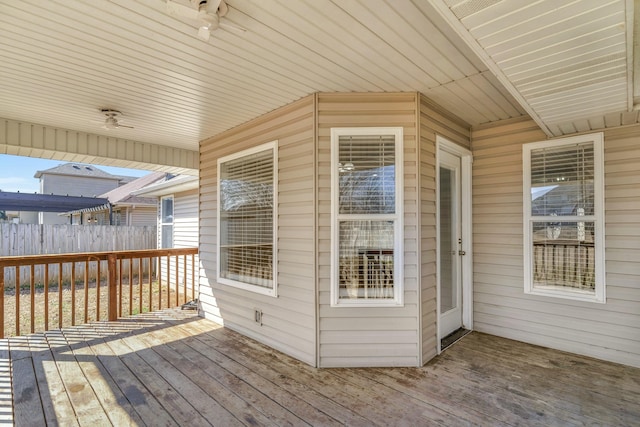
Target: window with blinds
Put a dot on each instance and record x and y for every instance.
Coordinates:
(246, 219)
(166, 222)
(564, 218)
(367, 195)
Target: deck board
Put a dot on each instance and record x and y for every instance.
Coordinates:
(549, 385)
(297, 389)
(27, 404)
(79, 388)
(172, 368)
(6, 396)
(256, 389)
(144, 404)
(233, 392)
(109, 395)
(53, 394)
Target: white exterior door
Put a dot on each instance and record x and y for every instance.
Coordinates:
(450, 243)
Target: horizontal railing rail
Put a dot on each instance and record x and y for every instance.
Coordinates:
(112, 284)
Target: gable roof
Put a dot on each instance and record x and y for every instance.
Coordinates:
(123, 194)
(77, 169)
(173, 184)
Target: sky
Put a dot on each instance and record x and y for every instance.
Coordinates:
(16, 172)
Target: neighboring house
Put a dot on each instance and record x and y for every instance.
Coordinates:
(124, 207)
(73, 179)
(177, 219)
(176, 198)
(22, 217)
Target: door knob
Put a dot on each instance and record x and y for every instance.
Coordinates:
(462, 253)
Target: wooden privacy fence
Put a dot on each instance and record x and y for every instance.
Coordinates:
(124, 283)
(35, 239)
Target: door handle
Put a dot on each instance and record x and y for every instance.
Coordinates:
(462, 252)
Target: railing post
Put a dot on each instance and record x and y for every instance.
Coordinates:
(2, 301)
(112, 289)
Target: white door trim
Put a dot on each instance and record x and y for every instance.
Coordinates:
(467, 236)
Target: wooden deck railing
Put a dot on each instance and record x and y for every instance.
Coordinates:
(105, 284)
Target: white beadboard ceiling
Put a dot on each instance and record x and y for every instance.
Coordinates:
(566, 63)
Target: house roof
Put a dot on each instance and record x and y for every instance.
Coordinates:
(123, 194)
(77, 169)
(568, 65)
(125, 179)
(174, 184)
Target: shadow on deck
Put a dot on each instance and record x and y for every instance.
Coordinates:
(172, 368)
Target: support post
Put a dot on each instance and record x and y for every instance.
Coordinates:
(2, 301)
(112, 288)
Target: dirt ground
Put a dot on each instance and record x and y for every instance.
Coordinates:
(95, 302)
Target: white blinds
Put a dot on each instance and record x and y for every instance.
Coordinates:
(562, 180)
(246, 219)
(367, 174)
(562, 191)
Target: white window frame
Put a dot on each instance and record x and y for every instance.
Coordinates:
(162, 223)
(273, 291)
(397, 217)
(599, 296)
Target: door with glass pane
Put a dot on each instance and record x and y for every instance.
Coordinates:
(449, 242)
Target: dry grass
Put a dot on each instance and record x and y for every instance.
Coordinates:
(93, 300)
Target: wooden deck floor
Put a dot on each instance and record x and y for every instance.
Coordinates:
(171, 368)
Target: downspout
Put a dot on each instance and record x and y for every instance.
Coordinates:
(110, 214)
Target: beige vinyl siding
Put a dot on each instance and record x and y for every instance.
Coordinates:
(368, 336)
(185, 235)
(185, 223)
(141, 216)
(289, 321)
(433, 121)
(77, 185)
(608, 331)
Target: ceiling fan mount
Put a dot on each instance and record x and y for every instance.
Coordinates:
(111, 119)
(206, 14)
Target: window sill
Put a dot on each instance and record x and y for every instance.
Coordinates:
(248, 287)
(576, 295)
(387, 303)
